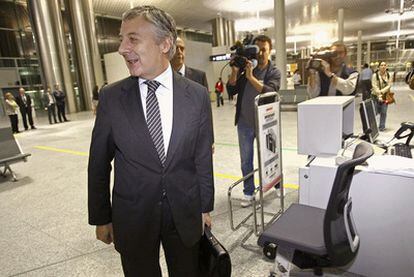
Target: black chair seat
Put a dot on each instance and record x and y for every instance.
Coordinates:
(300, 228)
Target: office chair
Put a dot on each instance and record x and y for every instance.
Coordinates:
(311, 237)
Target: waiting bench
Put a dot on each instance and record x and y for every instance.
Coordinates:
(10, 151)
(291, 98)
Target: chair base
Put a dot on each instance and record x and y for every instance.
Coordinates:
(287, 257)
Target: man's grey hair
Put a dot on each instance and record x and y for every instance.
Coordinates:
(162, 21)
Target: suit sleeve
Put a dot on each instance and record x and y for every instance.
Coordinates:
(205, 83)
(101, 154)
(203, 157)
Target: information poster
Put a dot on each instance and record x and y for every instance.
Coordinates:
(269, 144)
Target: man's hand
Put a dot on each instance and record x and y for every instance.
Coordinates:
(326, 68)
(105, 233)
(249, 70)
(207, 219)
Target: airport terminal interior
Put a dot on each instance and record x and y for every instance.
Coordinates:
(44, 228)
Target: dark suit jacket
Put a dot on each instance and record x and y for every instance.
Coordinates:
(121, 133)
(19, 101)
(196, 75)
(59, 97)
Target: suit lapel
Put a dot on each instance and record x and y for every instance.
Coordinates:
(188, 73)
(180, 97)
(131, 101)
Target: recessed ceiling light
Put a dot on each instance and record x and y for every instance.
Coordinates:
(389, 17)
(252, 24)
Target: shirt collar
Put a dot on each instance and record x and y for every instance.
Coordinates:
(182, 70)
(165, 78)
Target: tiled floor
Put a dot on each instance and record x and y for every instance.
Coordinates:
(43, 216)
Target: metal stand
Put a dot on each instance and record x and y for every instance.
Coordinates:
(7, 167)
(272, 161)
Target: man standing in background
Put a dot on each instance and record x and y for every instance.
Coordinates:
(49, 103)
(334, 77)
(60, 97)
(248, 82)
(366, 84)
(25, 104)
(178, 65)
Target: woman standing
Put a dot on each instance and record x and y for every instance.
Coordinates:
(381, 85)
(11, 111)
(297, 80)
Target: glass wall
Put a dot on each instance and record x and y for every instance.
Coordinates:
(19, 64)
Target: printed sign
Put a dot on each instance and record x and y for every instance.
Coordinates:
(269, 143)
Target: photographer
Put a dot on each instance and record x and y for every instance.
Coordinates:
(333, 77)
(247, 82)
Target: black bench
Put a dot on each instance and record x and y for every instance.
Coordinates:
(10, 152)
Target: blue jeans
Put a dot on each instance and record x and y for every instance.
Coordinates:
(382, 110)
(246, 145)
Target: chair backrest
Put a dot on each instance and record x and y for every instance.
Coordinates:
(341, 239)
(8, 145)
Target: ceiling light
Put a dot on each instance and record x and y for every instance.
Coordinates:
(252, 24)
(380, 18)
(394, 33)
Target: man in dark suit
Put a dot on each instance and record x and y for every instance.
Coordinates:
(156, 125)
(25, 104)
(178, 65)
(60, 97)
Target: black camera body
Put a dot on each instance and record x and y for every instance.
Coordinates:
(316, 61)
(244, 51)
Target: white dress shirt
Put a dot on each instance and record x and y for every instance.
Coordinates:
(164, 95)
(182, 70)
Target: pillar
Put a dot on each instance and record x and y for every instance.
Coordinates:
(67, 84)
(280, 40)
(359, 51)
(341, 25)
(82, 50)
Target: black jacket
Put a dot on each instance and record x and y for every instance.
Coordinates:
(19, 101)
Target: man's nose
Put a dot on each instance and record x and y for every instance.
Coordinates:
(123, 47)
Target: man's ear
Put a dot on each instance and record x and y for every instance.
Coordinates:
(166, 45)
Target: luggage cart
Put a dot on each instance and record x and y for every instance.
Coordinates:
(269, 145)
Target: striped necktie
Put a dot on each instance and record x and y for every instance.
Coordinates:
(154, 119)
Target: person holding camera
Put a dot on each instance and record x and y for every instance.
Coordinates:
(247, 82)
(381, 85)
(332, 76)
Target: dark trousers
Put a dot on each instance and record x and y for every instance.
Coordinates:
(27, 114)
(51, 111)
(182, 261)
(61, 112)
(14, 123)
(219, 99)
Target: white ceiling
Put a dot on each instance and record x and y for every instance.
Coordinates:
(304, 18)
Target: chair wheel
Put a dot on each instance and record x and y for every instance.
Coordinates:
(270, 251)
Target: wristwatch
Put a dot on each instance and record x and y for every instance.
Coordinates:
(332, 75)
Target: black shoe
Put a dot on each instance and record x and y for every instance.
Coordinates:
(33, 127)
(26, 129)
(66, 120)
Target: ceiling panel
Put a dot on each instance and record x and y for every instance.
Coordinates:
(197, 14)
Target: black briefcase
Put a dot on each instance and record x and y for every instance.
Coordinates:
(214, 258)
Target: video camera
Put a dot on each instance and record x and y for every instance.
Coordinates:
(244, 51)
(316, 61)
